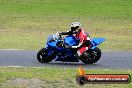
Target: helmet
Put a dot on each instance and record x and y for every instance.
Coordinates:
(75, 26)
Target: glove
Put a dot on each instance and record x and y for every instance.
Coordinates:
(59, 34)
(67, 46)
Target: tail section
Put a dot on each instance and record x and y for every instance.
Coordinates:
(97, 41)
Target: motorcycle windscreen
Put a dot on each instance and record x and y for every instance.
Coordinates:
(52, 38)
(71, 40)
(97, 41)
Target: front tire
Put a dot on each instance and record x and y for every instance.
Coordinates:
(43, 57)
(91, 56)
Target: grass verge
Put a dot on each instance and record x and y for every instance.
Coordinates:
(27, 77)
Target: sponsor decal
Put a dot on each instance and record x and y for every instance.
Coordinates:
(83, 78)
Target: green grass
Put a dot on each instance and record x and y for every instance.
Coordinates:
(26, 24)
(102, 8)
(52, 77)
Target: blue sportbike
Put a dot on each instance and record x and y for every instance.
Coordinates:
(55, 50)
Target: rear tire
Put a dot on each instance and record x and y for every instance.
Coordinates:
(91, 56)
(43, 57)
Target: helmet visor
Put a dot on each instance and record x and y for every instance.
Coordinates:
(74, 28)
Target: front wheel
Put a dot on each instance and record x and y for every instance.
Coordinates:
(43, 56)
(91, 56)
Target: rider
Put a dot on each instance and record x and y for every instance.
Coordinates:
(84, 39)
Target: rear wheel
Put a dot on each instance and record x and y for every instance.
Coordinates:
(43, 57)
(91, 56)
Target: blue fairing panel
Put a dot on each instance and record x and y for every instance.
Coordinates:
(97, 41)
(52, 44)
(71, 40)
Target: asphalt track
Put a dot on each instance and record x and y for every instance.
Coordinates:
(27, 58)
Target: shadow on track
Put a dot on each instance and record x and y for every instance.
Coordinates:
(70, 65)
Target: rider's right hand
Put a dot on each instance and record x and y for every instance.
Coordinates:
(57, 34)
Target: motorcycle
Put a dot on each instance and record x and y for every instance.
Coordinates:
(56, 50)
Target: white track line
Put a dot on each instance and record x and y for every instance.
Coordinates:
(11, 49)
(12, 66)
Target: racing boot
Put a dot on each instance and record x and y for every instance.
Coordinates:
(77, 56)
